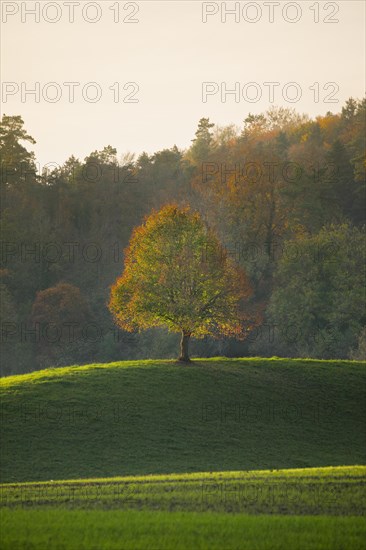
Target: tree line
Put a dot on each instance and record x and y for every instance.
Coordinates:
(284, 193)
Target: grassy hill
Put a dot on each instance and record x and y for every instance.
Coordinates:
(157, 417)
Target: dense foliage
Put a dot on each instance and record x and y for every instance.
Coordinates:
(170, 280)
(278, 192)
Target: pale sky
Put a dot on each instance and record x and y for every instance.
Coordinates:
(169, 53)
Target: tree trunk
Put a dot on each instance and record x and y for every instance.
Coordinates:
(184, 347)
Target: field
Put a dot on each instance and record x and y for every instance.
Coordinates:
(94, 530)
(309, 508)
(153, 417)
(230, 454)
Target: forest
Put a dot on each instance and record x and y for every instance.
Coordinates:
(284, 193)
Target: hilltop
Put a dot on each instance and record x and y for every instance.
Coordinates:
(158, 417)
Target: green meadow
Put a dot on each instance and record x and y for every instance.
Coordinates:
(222, 454)
(157, 417)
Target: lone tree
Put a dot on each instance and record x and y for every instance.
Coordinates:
(178, 276)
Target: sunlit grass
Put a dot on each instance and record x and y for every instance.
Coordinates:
(334, 491)
(132, 530)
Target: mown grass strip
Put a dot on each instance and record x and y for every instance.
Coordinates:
(332, 491)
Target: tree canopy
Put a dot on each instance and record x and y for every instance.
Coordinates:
(176, 275)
